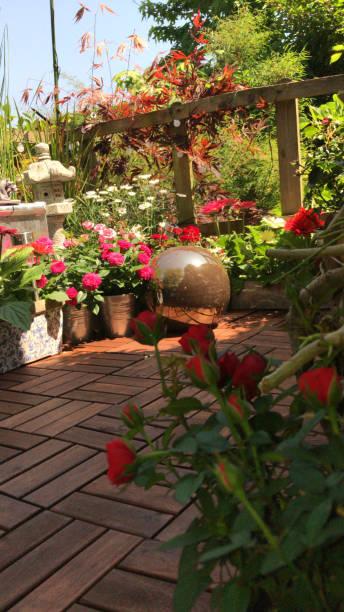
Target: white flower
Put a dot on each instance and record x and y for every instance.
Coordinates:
(181, 195)
(106, 214)
(103, 192)
(126, 187)
(117, 201)
(274, 222)
(162, 224)
(122, 211)
(135, 228)
(99, 199)
(91, 193)
(151, 198)
(144, 176)
(144, 205)
(111, 188)
(154, 181)
(132, 193)
(268, 236)
(20, 148)
(163, 191)
(89, 197)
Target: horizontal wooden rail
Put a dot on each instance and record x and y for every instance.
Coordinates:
(244, 97)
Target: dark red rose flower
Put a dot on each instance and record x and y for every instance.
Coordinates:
(195, 366)
(234, 401)
(324, 383)
(119, 457)
(227, 364)
(202, 336)
(127, 412)
(304, 222)
(149, 318)
(248, 373)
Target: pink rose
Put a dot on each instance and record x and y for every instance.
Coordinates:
(143, 258)
(99, 227)
(108, 233)
(72, 293)
(91, 281)
(42, 282)
(87, 225)
(145, 249)
(115, 259)
(67, 243)
(124, 244)
(43, 246)
(145, 273)
(57, 267)
(85, 237)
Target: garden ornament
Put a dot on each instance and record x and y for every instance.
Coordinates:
(7, 187)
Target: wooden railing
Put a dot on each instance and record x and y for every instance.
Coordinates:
(283, 95)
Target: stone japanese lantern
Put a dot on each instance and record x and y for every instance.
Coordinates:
(46, 177)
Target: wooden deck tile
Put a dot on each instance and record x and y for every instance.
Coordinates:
(29, 399)
(157, 498)
(74, 478)
(30, 458)
(19, 439)
(133, 381)
(13, 512)
(116, 427)
(39, 563)
(30, 534)
(46, 471)
(148, 559)
(31, 384)
(68, 382)
(121, 591)
(94, 396)
(11, 407)
(92, 438)
(67, 584)
(178, 525)
(13, 422)
(113, 514)
(76, 417)
(7, 453)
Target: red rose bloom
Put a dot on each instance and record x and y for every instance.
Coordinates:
(57, 267)
(43, 246)
(248, 373)
(143, 258)
(159, 237)
(234, 401)
(324, 383)
(202, 336)
(149, 318)
(42, 282)
(145, 273)
(124, 245)
(126, 412)
(195, 366)
(91, 281)
(227, 364)
(304, 222)
(115, 259)
(119, 456)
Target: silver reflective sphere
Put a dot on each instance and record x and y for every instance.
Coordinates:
(191, 286)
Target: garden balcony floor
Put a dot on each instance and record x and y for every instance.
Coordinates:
(69, 540)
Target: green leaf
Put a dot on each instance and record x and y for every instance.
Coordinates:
(191, 582)
(236, 598)
(186, 444)
(307, 478)
(183, 405)
(317, 519)
(239, 540)
(195, 533)
(17, 313)
(187, 486)
(98, 297)
(212, 441)
(95, 309)
(31, 274)
(80, 297)
(57, 296)
(335, 57)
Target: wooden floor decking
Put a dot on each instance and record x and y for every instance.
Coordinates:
(69, 540)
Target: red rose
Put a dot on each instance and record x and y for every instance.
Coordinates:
(57, 267)
(304, 222)
(195, 366)
(227, 364)
(324, 383)
(248, 373)
(148, 318)
(159, 237)
(145, 273)
(234, 401)
(43, 245)
(5, 231)
(119, 456)
(124, 245)
(91, 281)
(143, 258)
(127, 412)
(114, 259)
(42, 282)
(202, 337)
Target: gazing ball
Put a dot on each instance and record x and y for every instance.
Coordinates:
(191, 286)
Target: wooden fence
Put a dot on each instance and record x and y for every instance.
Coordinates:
(285, 97)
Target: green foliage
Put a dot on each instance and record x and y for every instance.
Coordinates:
(16, 290)
(323, 136)
(244, 41)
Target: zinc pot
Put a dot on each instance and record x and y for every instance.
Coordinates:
(117, 312)
(77, 324)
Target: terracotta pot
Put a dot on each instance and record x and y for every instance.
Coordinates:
(117, 312)
(77, 325)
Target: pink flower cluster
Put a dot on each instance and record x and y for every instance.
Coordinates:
(216, 206)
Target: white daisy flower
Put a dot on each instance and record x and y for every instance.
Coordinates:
(111, 188)
(181, 195)
(163, 191)
(150, 198)
(162, 224)
(144, 176)
(122, 211)
(117, 201)
(274, 222)
(154, 181)
(132, 193)
(20, 148)
(103, 192)
(126, 187)
(91, 193)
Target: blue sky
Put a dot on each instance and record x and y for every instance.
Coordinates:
(30, 55)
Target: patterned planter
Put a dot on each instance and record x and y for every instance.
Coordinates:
(44, 338)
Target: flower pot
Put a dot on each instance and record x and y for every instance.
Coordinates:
(224, 227)
(43, 339)
(117, 312)
(77, 325)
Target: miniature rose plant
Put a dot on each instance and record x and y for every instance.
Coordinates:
(269, 520)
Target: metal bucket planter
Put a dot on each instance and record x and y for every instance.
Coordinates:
(77, 325)
(117, 312)
(43, 339)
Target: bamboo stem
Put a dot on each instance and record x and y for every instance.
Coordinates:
(55, 61)
(330, 251)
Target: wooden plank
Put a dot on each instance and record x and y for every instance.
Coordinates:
(272, 93)
(92, 439)
(133, 381)
(46, 471)
(30, 413)
(61, 486)
(6, 453)
(113, 514)
(157, 498)
(44, 559)
(126, 592)
(72, 419)
(30, 534)
(13, 512)
(67, 584)
(94, 396)
(66, 383)
(116, 427)
(179, 525)
(31, 383)
(11, 407)
(148, 559)
(289, 155)
(19, 439)
(29, 399)
(46, 418)
(183, 175)
(32, 457)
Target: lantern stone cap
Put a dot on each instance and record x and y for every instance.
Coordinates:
(60, 208)
(47, 170)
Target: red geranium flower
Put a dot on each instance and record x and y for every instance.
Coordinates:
(119, 457)
(248, 373)
(145, 273)
(42, 281)
(43, 246)
(324, 383)
(190, 233)
(57, 267)
(6, 231)
(304, 222)
(202, 336)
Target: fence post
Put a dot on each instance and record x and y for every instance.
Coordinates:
(289, 152)
(183, 175)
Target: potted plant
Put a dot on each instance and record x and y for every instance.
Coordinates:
(30, 328)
